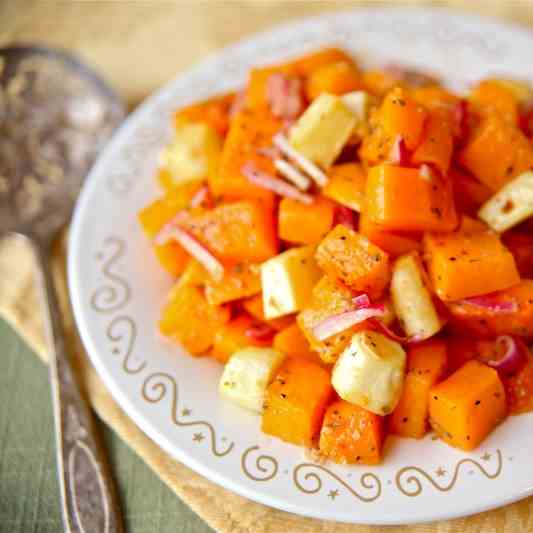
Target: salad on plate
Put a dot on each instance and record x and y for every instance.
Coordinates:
(356, 248)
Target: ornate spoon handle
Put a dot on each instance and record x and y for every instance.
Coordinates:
(87, 495)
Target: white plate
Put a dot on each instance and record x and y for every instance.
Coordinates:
(117, 290)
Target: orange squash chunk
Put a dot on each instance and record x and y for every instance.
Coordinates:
(241, 231)
(353, 259)
(296, 400)
(334, 78)
(468, 405)
(254, 306)
(214, 111)
(403, 199)
(329, 297)
(497, 152)
(398, 116)
(188, 318)
(231, 337)
(426, 365)
(436, 145)
(346, 185)
(394, 243)
(470, 319)
(256, 90)
(305, 224)
(402, 116)
(352, 435)
(172, 257)
(292, 342)
(491, 96)
(248, 133)
(239, 281)
(465, 264)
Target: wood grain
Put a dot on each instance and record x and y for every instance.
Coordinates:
(139, 45)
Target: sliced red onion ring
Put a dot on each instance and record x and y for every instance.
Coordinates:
(260, 332)
(402, 339)
(271, 183)
(362, 301)
(341, 322)
(239, 101)
(284, 94)
(345, 216)
(172, 231)
(512, 359)
(399, 154)
(491, 303)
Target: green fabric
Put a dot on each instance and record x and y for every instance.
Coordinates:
(29, 494)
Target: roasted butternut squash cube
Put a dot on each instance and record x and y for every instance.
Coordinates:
(370, 372)
(193, 154)
(240, 280)
(295, 402)
(323, 130)
(214, 112)
(497, 152)
(426, 366)
(412, 299)
(305, 224)
(394, 243)
(436, 144)
(336, 78)
(287, 281)
(353, 259)
(249, 132)
(351, 434)
(402, 116)
(188, 318)
(172, 257)
(233, 336)
(465, 264)
(346, 185)
(468, 405)
(511, 205)
(329, 297)
(234, 232)
(292, 342)
(467, 318)
(407, 199)
(492, 96)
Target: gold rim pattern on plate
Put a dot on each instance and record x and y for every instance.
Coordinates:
(155, 388)
(310, 473)
(414, 473)
(266, 464)
(116, 334)
(116, 292)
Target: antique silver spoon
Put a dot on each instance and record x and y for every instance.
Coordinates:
(55, 115)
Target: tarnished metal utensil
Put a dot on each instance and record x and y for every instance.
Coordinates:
(55, 116)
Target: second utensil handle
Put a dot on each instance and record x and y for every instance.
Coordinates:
(87, 495)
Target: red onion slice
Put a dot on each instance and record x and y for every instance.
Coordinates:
(363, 301)
(341, 322)
(345, 216)
(172, 231)
(271, 183)
(284, 95)
(239, 101)
(402, 339)
(491, 303)
(512, 358)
